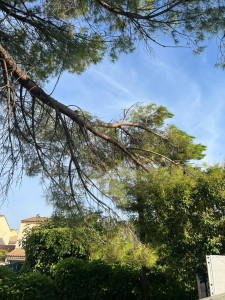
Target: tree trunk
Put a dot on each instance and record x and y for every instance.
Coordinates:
(145, 283)
(144, 271)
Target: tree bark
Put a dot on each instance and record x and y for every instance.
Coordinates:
(144, 271)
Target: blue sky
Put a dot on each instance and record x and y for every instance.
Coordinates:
(190, 86)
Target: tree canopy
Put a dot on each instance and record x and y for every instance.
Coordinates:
(41, 135)
(36, 33)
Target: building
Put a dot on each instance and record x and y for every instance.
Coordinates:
(4, 231)
(26, 225)
(10, 241)
(13, 237)
(18, 254)
(15, 256)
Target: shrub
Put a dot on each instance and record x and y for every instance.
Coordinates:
(7, 280)
(34, 286)
(78, 279)
(45, 247)
(3, 254)
(167, 283)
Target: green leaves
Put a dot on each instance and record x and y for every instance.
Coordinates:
(26, 286)
(77, 279)
(184, 217)
(85, 31)
(45, 247)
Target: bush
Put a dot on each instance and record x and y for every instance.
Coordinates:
(7, 280)
(3, 254)
(34, 286)
(77, 279)
(166, 283)
(45, 247)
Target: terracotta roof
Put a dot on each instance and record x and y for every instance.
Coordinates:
(2, 216)
(13, 229)
(17, 253)
(34, 220)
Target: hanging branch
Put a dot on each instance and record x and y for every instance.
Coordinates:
(35, 113)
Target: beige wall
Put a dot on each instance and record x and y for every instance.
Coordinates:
(4, 231)
(23, 227)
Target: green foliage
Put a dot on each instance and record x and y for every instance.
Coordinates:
(27, 286)
(182, 215)
(77, 279)
(122, 246)
(46, 245)
(111, 240)
(150, 115)
(165, 283)
(7, 281)
(186, 149)
(84, 31)
(3, 254)
(73, 279)
(186, 211)
(34, 286)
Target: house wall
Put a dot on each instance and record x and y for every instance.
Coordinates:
(4, 231)
(23, 228)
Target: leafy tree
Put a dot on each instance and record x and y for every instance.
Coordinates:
(49, 138)
(47, 245)
(182, 216)
(114, 242)
(39, 32)
(91, 237)
(189, 219)
(129, 185)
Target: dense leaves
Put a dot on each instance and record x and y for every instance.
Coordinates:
(7, 280)
(27, 286)
(3, 254)
(182, 215)
(77, 279)
(73, 279)
(92, 237)
(46, 246)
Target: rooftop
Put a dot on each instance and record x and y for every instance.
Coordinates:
(35, 220)
(17, 253)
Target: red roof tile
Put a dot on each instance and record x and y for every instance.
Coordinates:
(34, 220)
(17, 252)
